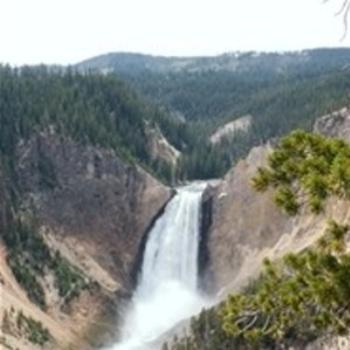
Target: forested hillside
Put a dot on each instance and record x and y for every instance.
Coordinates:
(281, 91)
(91, 109)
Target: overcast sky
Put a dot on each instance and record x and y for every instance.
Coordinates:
(67, 31)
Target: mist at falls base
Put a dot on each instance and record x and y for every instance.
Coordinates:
(167, 288)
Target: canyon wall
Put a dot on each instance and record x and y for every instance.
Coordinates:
(247, 226)
(94, 209)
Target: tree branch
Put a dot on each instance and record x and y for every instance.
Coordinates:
(344, 11)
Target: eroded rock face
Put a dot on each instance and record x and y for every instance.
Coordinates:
(244, 225)
(94, 209)
(159, 146)
(335, 343)
(241, 124)
(247, 226)
(87, 198)
(336, 124)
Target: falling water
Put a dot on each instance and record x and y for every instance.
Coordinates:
(167, 289)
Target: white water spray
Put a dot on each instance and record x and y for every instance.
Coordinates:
(167, 289)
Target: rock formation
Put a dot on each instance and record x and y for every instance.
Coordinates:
(94, 209)
(247, 226)
(228, 130)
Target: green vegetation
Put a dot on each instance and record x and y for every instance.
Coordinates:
(299, 299)
(91, 109)
(22, 239)
(30, 258)
(306, 165)
(304, 295)
(48, 178)
(306, 169)
(14, 323)
(102, 110)
(295, 301)
(28, 280)
(34, 330)
(69, 280)
(281, 92)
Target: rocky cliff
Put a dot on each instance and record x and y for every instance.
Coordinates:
(247, 226)
(92, 209)
(241, 124)
(88, 195)
(336, 124)
(159, 147)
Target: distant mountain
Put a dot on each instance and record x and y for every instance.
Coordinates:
(219, 88)
(274, 62)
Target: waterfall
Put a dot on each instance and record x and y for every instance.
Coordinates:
(167, 288)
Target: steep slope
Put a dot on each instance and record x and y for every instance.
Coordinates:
(94, 198)
(290, 305)
(247, 226)
(160, 148)
(229, 130)
(75, 205)
(92, 209)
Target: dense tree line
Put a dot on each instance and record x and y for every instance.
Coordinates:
(279, 101)
(103, 110)
(92, 109)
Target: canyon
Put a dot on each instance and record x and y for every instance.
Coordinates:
(99, 215)
(99, 210)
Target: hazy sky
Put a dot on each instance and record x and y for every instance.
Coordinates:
(67, 31)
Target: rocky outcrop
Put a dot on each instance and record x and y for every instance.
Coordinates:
(159, 146)
(87, 197)
(205, 280)
(241, 124)
(93, 208)
(336, 124)
(247, 226)
(335, 343)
